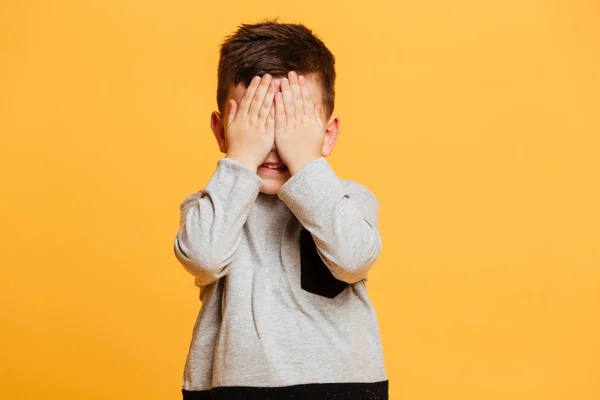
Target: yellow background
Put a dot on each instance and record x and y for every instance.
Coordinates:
(475, 123)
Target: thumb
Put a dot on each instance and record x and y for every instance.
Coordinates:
(232, 111)
(318, 113)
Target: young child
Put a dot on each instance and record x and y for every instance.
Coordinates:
(279, 246)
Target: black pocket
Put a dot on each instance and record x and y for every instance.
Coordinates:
(315, 277)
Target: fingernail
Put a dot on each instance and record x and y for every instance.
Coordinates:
(292, 74)
(266, 76)
(256, 78)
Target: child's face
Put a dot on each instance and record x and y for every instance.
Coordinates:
(273, 180)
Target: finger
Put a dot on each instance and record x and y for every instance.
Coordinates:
(259, 96)
(248, 95)
(267, 104)
(270, 124)
(232, 111)
(288, 100)
(280, 118)
(296, 93)
(306, 97)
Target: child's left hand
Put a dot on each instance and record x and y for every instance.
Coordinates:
(299, 134)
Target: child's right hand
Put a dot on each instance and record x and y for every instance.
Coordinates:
(250, 132)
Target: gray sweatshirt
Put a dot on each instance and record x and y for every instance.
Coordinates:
(285, 312)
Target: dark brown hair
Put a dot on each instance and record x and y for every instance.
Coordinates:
(274, 48)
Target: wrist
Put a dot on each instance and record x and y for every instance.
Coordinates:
(245, 161)
(297, 165)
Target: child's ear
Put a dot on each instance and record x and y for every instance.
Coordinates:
(332, 133)
(216, 124)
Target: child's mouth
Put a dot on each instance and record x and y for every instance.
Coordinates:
(275, 168)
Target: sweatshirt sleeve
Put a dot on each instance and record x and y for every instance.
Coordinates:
(342, 218)
(212, 219)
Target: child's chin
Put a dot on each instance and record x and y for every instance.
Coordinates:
(272, 186)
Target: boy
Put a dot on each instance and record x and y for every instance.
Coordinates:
(279, 246)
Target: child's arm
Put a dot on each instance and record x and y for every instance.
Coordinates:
(343, 219)
(211, 221)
